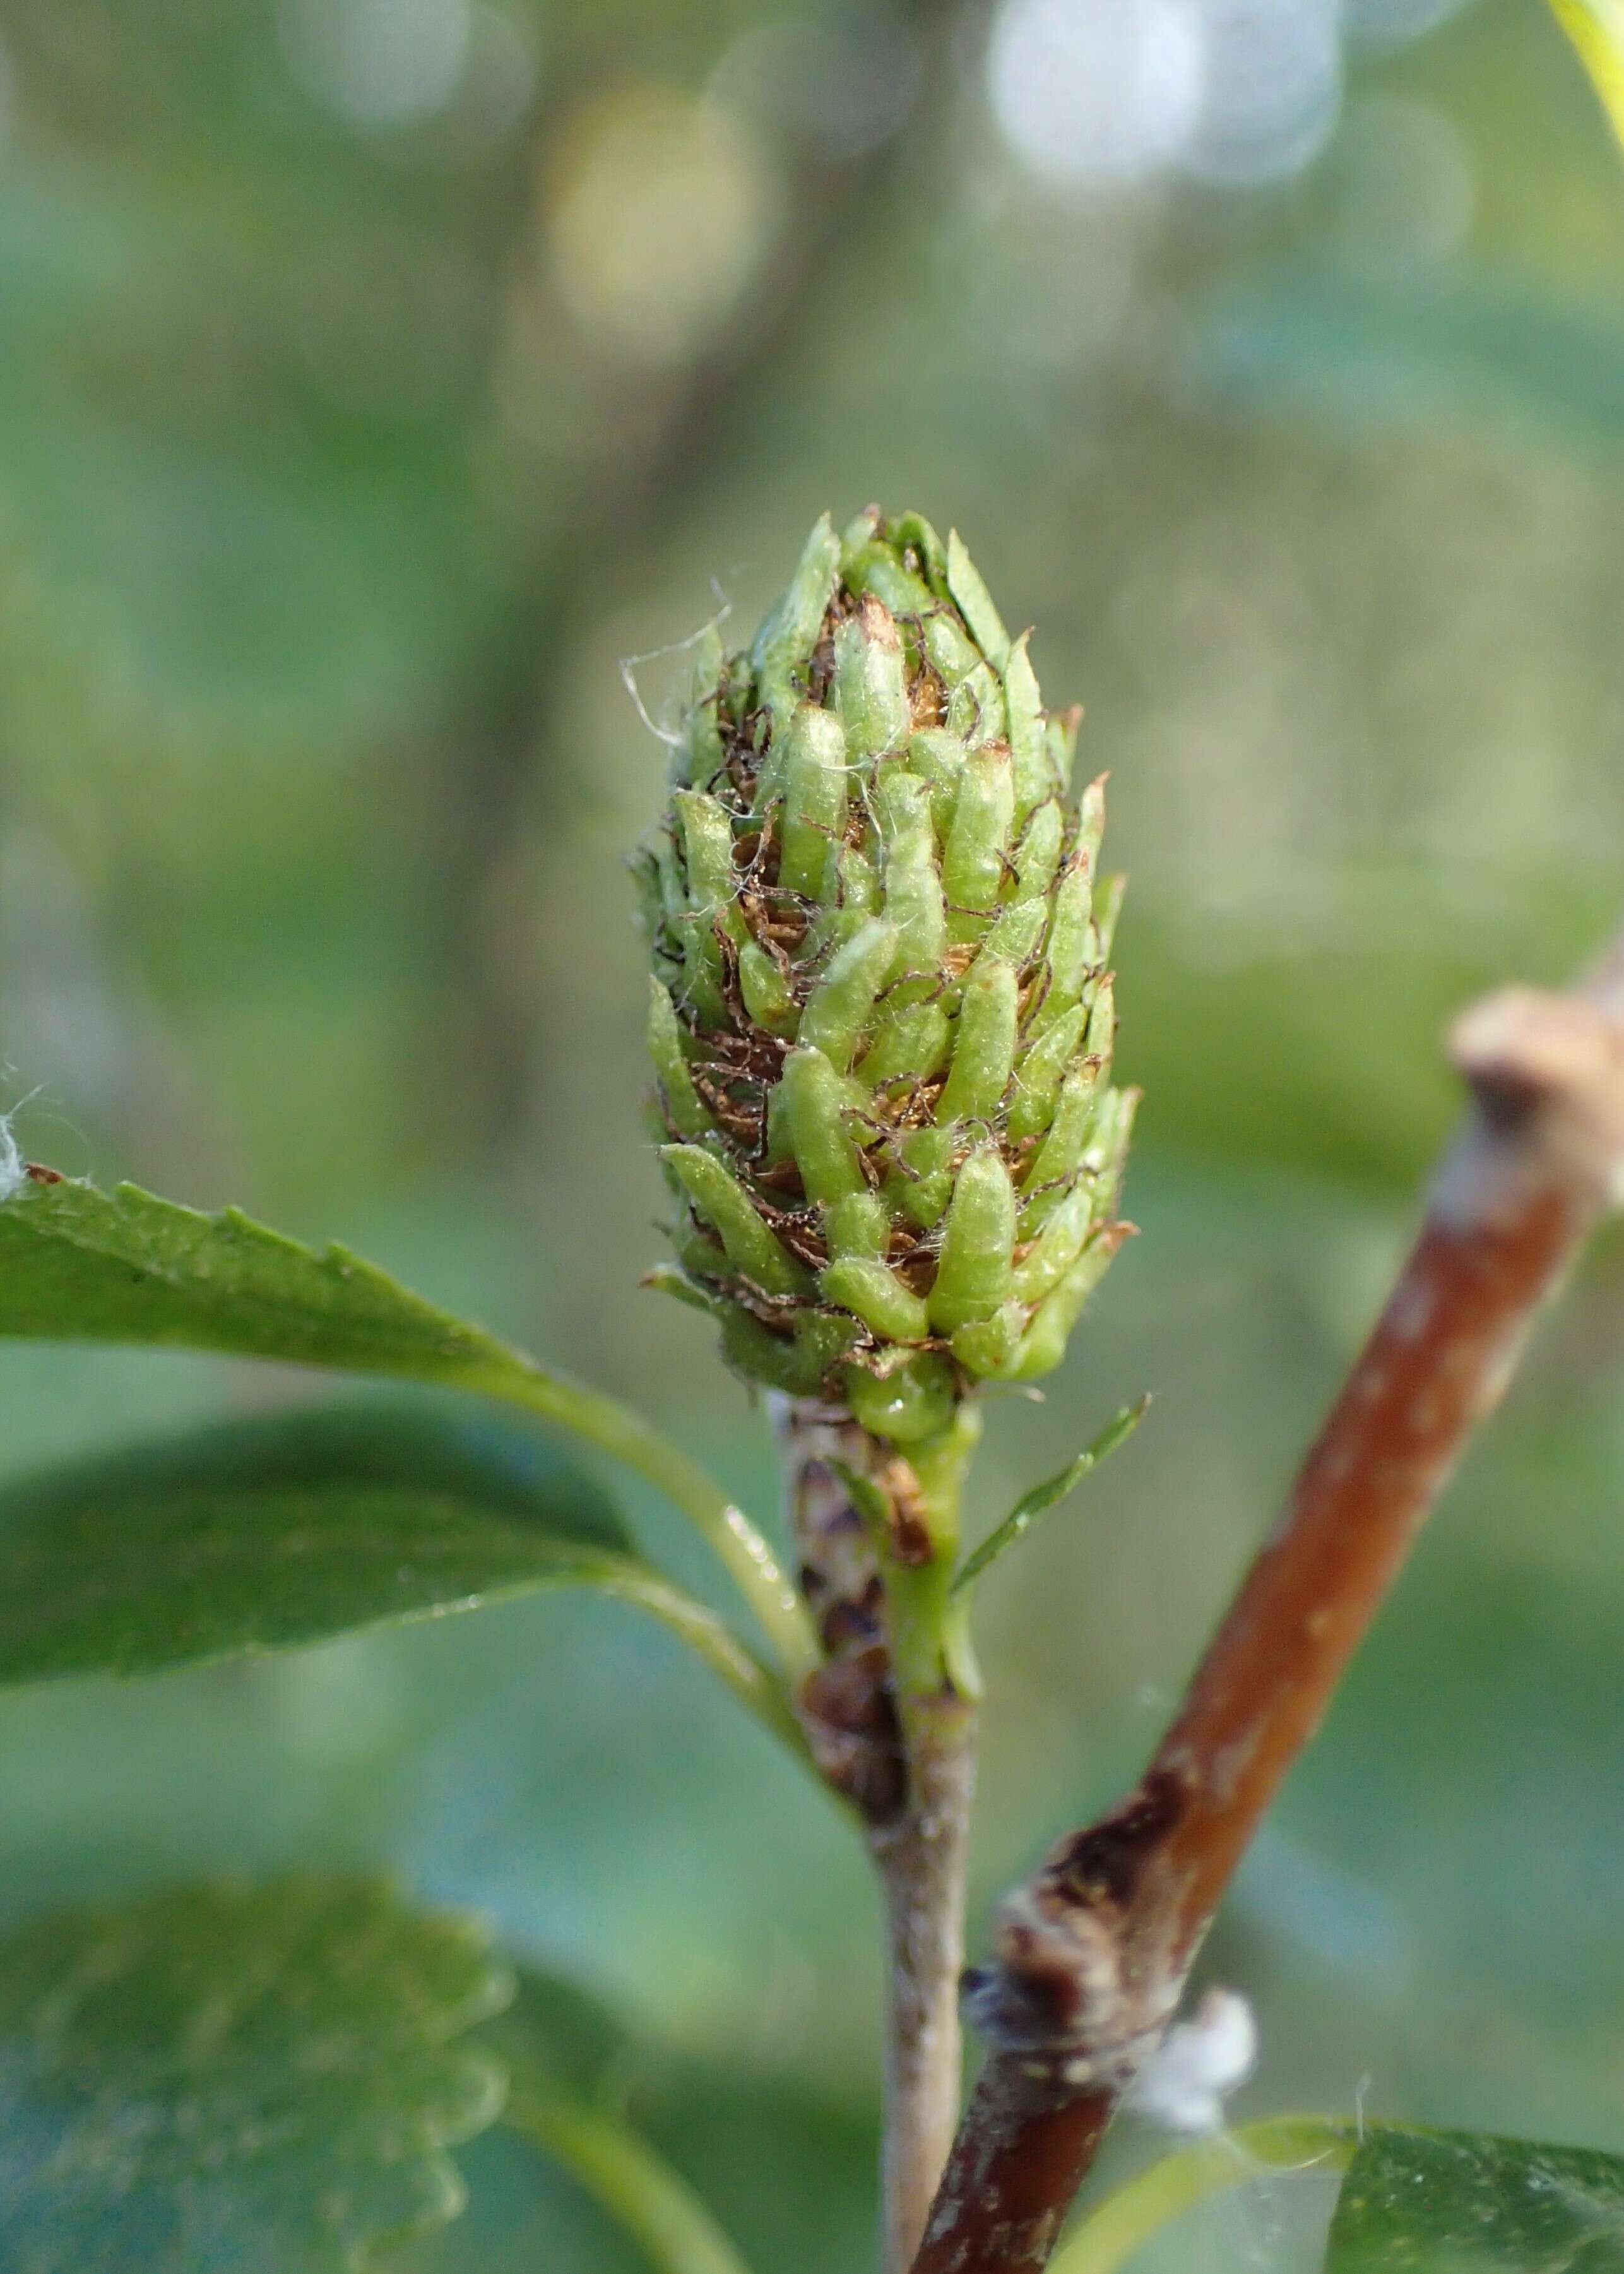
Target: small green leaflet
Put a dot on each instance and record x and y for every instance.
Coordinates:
(238, 2080)
(1459, 2202)
(271, 1534)
(1042, 1497)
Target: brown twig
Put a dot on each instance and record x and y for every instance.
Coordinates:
(1092, 1953)
(908, 1764)
(922, 1860)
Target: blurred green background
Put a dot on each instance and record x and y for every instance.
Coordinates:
(375, 375)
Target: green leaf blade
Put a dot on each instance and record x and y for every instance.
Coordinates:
(258, 2079)
(275, 1534)
(1458, 2203)
(80, 1265)
(272, 1535)
(77, 1264)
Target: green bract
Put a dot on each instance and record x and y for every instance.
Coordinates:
(880, 1014)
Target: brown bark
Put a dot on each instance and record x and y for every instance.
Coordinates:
(922, 1861)
(911, 1774)
(1092, 1953)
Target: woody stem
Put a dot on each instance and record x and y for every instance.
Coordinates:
(1093, 1952)
(890, 1719)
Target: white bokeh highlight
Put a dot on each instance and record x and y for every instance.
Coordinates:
(378, 64)
(1088, 94)
(1096, 91)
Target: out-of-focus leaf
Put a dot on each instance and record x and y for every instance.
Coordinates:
(258, 2080)
(1597, 29)
(556, 2037)
(267, 1535)
(560, 2048)
(1458, 2203)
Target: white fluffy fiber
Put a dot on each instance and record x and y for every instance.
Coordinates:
(13, 1175)
(1181, 2087)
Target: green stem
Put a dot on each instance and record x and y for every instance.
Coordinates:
(616, 1429)
(638, 2188)
(922, 1858)
(755, 1685)
(1124, 2220)
(929, 1632)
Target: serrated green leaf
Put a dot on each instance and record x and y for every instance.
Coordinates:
(1459, 2202)
(1042, 1497)
(80, 1265)
(238, 2080)
(76, 1264)
(270, 1534)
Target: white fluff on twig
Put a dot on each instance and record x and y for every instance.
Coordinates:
(1182, 2086)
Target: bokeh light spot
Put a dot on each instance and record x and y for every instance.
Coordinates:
(662, 208)
(1109, 90)
(378, 62)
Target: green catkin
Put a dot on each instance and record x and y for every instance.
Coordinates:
(785, 642)
(878, 1298)
(910, 1044)
(814, 1112)
(973, 862)
(1037, 855)
(974, 1268)
(813, 790)
(983, 1045)
(1036, 777)
(1060, 732)
(1059, 1159)
(912, 885)
(841, 1006)
(1066, 952)
(1038, 1076)
(870, 693)
(768, 995)
(937, 757)
(686, 1111)
(699, 754)
(718, 1197)
(880, 1017)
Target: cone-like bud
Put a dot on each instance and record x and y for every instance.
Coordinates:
(881, 1017)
